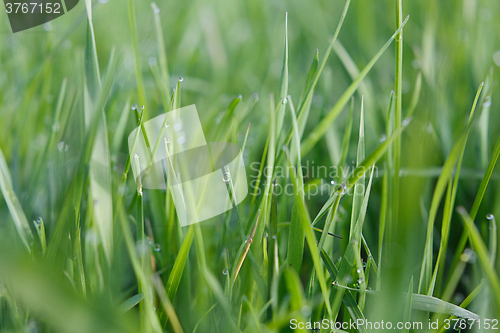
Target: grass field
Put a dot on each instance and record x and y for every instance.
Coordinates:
(374, 121)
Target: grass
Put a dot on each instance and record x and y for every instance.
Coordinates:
(389, 143)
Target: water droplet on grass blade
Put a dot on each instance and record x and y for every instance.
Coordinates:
(490, 217)
(62, 147)
(157, 248)
(487, 102)
(181, 79)
(406, 121)
(225, 271)
(226, 177)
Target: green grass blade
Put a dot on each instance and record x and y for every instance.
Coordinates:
(162, 54)
(283, 86)
(349, 300)
(133, 34)
(485, 180)
(306, 103)
(100, 163)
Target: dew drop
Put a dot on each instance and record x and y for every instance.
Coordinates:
(166, 124)
(225, 271)
(360, 281)
(490, 217)
(178, 126)
(181, 79)
(167, 140)
(274, 237)
(157, 248)
(332, 182)
(182, 139)
(359, 270)
(266, 235)
(134, 107)
(62, 147)
(74, 257)
(284, 101)
(240, 97)
(226, 177)
(39, 221)
(382, 138)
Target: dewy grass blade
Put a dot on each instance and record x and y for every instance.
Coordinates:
(167, 304)
(296, 235)
(133, 34)
(359, 186)
(426, 269)
(482, 253)
(320, 129)
(180, 262)
(349, 300)
(100, 163)
(493, 239)
(409, 300)
(347, 136)
(398, 95)
(307, 102)
(162, 54)
(307, 95)
(485, 180)
(120, 128)
(449, 204)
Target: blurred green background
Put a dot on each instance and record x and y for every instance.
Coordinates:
(223, 49)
